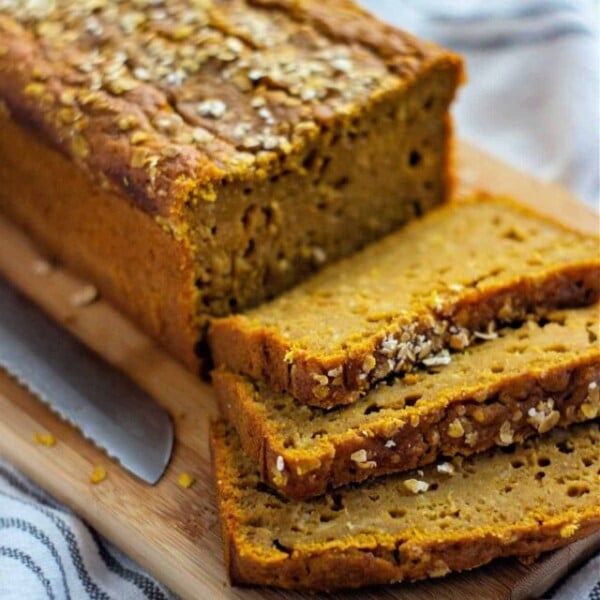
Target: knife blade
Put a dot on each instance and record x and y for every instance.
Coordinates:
(76, 383)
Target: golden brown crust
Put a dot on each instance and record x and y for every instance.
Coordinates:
(503, 289)
(357, 568)
(344, 21)
(428, 535)
(134, 263)
(104, 86)
(526, 382)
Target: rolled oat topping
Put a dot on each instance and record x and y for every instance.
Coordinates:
(359, 456)
(416, 486)
(209, 65)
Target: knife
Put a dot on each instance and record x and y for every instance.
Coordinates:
(83, 389)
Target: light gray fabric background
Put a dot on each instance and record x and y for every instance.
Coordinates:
(533, 99)
(533, 95)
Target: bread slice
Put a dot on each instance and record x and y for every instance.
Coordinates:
(517, 501)
(405, 300)
(527, 381)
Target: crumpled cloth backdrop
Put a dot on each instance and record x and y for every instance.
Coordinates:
(532, 98)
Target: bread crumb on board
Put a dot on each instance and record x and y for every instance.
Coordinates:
(185, 480)
(45, 439)
(98, 474)
(84, 296)
(41, 267)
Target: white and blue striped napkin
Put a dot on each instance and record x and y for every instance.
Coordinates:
(48, 553)
(532, 99)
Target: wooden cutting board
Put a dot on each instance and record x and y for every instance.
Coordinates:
(174, 532)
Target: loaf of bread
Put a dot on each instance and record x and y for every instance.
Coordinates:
(518, 501)
(408, 299)
(194, 158)
(526, 381)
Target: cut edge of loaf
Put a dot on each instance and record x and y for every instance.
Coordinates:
(326, 202)
(262, 352)
(254, 555)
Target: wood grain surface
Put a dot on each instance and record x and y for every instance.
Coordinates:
(174, 532)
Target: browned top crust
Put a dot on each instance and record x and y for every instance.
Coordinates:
(165, 100)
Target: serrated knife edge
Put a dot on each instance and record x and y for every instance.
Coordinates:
(81, 388)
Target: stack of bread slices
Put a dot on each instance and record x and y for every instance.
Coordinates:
(421, 407)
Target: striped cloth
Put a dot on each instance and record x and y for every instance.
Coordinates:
(47, 553)
(532, 99)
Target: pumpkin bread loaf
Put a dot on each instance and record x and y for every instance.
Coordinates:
(194, 158)
(517, 501)
(526, 381)
(408, 299)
